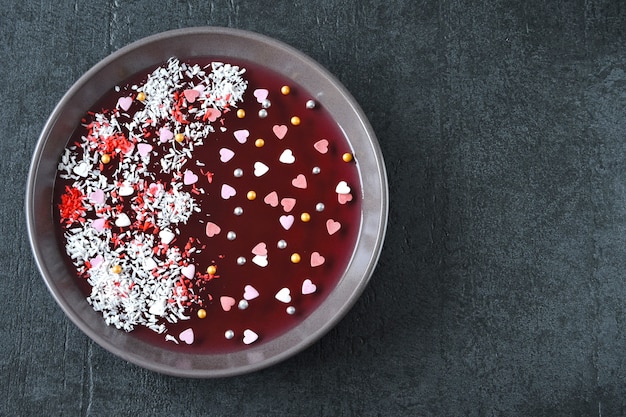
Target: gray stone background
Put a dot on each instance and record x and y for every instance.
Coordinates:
(501, 287)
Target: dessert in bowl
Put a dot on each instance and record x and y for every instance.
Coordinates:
(206, 202)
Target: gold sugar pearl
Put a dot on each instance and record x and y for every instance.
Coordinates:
(211, 270)
(347, 157)
(105, 158)
(285, 89)
(241, 113)
(201, 313)
(295, 258)
(259, 143)
(305, 217)
(116, 269)
(295, 120)
(179, 137)
(251, 195)
(141, 96)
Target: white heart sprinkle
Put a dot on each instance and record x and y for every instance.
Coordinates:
(287, 157)
(81, 169)
(126, 190)
(284, 295)
(342, 188)
(158, 308)
(260, 260)
(260, 169)
(250, 293)
(122, 220)
(249, 336)
(166, 236)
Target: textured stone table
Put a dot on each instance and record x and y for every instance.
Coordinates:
(501, 289)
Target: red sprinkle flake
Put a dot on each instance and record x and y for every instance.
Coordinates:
(71, 207)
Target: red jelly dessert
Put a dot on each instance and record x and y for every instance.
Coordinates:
(207, 205)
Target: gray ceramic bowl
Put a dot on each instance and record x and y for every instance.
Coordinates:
(188, 43)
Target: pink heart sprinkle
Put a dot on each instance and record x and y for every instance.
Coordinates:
(190, 178)
(144, 148)
(125, 102)
(332, 226)
(226, 154)
(344, 198)
(260, 249)
(191, 95)
(249, 336)
(241, 135)
(271, 199)
(280, 131)
(97, 261)
(299, 181)
(165, 134)
(250, 293)
(321, 146)
(227, 191)
(261, 94)
(213, 114)
(212, 229)
(227, 302)
(186, 336)
(308, 287)
(286, 221)
(99, 224)
(188, 271)
(97, 197)
(288, 203)
(317, 259)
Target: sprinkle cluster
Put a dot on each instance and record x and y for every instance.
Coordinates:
(146, 188)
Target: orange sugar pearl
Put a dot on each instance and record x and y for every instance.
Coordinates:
(259, 143)
(347, 157)
(251, 195)
(179, 137)
(305, 217)
(295, 258)
(211, 270)
(116, 269)
(141, 96)
(105, 158)
(241, 113)
(295, 120)
(285, 89)
(201, 313)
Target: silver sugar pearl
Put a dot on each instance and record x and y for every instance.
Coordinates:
(316, 170)
(262, 113)
(229, 334)
(291, 310)
(310, 104)
(231, 235)
(282, 244)
(319, 207)
(238, 211)
(238, 172)
(243, 304)
(241, 260)
(266, 104)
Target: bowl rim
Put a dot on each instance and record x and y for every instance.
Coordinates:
(373, 226)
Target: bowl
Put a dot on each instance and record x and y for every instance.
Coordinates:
(43, 230)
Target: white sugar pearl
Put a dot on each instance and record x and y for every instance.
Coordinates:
(310, 104)
(238, 211)
(319, 207)
(281, 244)
(238, 172)
(291, 310)
(243, 304)
(229, 334)
(266, 104)
(316, 170)
(262, 113)
(231, 235)
(241, 260)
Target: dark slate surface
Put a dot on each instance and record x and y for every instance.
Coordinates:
(501, 288)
